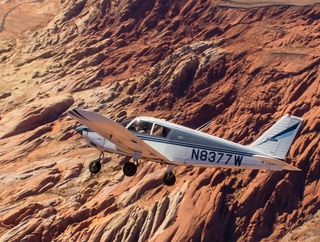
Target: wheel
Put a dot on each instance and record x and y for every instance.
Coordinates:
(129, 169)
(169, 180)
(95, 166)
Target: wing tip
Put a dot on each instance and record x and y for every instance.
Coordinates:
(76, 114)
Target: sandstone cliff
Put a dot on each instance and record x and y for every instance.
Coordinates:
(187, 61)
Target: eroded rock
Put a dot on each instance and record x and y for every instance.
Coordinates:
(34, 114)
(260, 69)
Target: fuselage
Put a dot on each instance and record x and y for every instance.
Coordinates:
(185, 146)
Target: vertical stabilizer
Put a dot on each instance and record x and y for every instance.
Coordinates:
(276, 141)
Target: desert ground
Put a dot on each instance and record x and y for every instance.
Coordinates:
(242, 64)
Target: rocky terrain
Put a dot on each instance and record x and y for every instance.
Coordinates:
(186, 61)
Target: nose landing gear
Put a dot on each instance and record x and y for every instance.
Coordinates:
(95, 166)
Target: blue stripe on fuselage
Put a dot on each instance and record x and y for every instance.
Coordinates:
(147, 137)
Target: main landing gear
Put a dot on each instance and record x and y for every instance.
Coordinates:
(95, 166)
(129, 168)
(169, 179)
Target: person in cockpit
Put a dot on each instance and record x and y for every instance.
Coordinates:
(139, 126)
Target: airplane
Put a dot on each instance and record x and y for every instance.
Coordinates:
(168, 143)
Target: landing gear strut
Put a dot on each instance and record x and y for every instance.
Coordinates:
(169, 179)
(95, 166)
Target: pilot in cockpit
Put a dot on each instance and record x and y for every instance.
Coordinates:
(139, 126)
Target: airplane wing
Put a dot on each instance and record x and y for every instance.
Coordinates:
(117, 134)
(270, 160)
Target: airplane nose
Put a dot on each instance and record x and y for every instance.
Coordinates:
(80, 129)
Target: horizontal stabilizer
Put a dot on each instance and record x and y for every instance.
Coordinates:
(274, 161)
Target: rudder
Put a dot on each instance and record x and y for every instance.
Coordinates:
(276, 141)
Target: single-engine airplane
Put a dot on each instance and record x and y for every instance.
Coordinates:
(172, 144)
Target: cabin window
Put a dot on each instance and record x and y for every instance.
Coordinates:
(161, 131)
(147, 127)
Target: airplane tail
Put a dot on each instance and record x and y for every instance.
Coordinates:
(276, 141)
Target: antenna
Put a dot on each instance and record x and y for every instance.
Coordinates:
(204, 125)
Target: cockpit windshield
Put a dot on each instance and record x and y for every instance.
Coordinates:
(150, 128)
(126, 122)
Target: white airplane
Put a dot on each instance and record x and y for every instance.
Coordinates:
(168, 143)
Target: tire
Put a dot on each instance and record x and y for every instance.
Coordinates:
(129, 169)
(169, 181)
(95, 166)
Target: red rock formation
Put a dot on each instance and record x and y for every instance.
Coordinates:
(186, 61)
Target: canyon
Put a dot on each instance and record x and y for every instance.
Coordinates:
(241, 64)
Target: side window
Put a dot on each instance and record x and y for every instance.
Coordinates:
(161, 131)
(147, 127)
